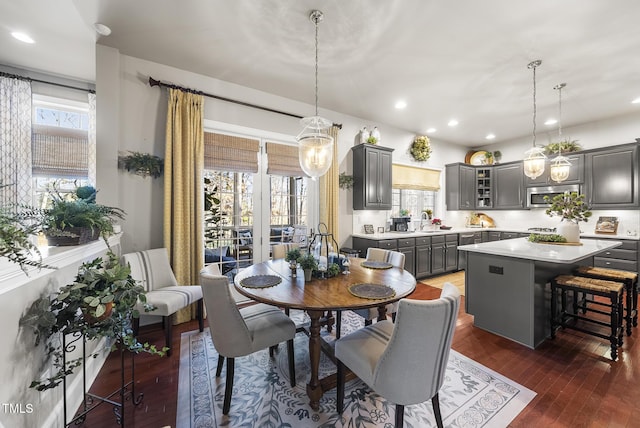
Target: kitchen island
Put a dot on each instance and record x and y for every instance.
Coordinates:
(506, 283)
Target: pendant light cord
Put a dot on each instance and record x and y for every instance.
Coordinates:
(559, 88)
(315, 20)
(533, 65)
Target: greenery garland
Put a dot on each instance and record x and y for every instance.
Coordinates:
(420, 148)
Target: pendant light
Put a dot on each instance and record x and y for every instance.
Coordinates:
(534, 158)
(315, 151)
(560, 166)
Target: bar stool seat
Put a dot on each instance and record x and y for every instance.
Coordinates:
(630, 280)
(611, 290)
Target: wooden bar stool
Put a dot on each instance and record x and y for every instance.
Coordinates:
(630, 280)
(613, 291)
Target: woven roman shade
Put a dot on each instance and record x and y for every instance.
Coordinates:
(59, 152)
(230, 153)
(284, 160)
(411, 177)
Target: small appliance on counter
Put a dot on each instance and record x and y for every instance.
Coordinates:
(400, 224)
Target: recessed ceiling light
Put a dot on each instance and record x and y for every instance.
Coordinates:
(453, 122)
(551, 121)
(490, 136)
(431, 130)
(401, 104)
(22, 37)
(102, 29)
(636, 101)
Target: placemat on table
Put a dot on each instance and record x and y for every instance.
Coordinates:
(261, 281)
(372, 291)
(371, 264)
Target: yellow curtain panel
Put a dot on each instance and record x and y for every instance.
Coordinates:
(183, 190)
(329, 191)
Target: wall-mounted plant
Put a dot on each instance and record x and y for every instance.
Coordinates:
(421, 148)
(345, 181)
(142, 164)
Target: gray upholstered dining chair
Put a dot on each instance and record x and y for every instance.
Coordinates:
(404, 362)
(379, 255)
(153, 270)
(239, 332)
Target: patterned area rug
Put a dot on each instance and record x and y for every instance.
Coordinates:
(472, 395)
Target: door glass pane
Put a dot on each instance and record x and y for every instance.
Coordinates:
(289, 210)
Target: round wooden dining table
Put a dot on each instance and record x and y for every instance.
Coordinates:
(321, 295)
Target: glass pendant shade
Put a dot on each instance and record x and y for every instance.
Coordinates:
(315, 150)
(534, 160)
(559, 169)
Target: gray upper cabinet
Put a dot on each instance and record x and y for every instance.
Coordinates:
(576, 173)
(461, 186)
(508, 186)
(371, 177)
(612, 177)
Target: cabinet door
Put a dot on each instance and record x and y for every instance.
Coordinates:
(576, 173)
(384, 180)
(612, 178)
(451, 256)
(437, 258)
(508, 187)
(460, 182)
(423, 261)
(409, 259)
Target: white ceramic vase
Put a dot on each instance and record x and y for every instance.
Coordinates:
(570, 230)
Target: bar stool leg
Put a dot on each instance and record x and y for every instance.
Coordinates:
(554, 309)
(614, 327)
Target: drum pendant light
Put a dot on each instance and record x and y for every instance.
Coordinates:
(315, 149)
(534, 159)
(560, 166)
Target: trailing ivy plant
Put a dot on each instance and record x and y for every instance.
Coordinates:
(345, 181)
(142, 164)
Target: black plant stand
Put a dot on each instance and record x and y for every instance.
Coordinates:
(90, 401)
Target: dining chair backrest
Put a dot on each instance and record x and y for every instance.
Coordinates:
(279, 251)
(380, 255)
(412, 367)
(151, 268)
(229, 332)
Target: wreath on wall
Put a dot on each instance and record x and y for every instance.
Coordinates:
(421, 148)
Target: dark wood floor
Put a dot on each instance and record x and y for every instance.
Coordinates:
(576, 384)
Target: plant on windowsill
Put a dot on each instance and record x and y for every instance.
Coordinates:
(572, 207)
(78, 219)
(142, 164)
(100, 303)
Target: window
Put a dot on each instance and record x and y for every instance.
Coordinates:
(61, 148)
(415, 201)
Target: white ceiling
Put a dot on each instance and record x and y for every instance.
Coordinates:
(465, 59)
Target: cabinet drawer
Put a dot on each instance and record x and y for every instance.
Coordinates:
(616, 253)
(388, 244)
(451, 238)
(423, 240)
(628, 245)
(406, 242)
(604, 262)
(438, 239)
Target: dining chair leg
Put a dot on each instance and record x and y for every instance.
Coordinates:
(340, 387)
(272, 350)
(220, 364)
(393, 317)
(399, 415)
(435, 402)
(368, 322)
(228, 388)
(292, 362)
(167, 333)
(338, 323)
(201, 314)
(136, 326)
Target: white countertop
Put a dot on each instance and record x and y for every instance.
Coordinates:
(521, 248)
(396, 235)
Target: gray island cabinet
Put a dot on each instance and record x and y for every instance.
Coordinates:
(506, 283)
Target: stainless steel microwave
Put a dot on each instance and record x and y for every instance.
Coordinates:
(535, 195)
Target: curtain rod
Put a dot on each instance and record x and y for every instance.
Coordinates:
(154, 82)
(29, 79)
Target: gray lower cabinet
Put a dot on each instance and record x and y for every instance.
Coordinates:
(407, 246)
(489, 236)
(363, 244)
(508, 186)
(612, 178)
(438, 255)
(624, 257)
(423, 256)
(451, 253)
(509, 235)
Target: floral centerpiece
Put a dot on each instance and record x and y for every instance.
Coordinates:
(421, 148)
(572, 207)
